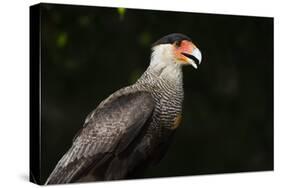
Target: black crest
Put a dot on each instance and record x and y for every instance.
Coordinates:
(171, 38)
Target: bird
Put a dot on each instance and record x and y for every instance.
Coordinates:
(132, 128)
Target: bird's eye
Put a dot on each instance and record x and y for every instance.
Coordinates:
(178, 43)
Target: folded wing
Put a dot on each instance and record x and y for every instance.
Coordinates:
(107, 130)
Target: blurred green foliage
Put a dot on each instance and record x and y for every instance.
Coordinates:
(145, 39)
(90, 52)
(121, 12)
(62, 40)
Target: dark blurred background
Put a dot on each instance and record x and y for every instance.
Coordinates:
(90, 52)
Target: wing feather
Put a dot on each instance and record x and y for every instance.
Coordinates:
(110, 128)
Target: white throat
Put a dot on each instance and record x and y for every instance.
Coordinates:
(163, 64)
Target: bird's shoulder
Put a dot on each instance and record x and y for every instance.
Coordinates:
(122, 98)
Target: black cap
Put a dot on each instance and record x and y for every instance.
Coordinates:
(171, 38)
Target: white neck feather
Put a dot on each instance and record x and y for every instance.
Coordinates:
(163, 64)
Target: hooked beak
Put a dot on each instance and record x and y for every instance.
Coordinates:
(194, 58)
(187, 53)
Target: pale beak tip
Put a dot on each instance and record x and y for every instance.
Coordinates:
(197, 54)
(194, 65)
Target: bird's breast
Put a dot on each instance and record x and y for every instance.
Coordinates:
(168, 108)
(168, 99)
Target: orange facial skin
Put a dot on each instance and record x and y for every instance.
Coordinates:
(184, 47)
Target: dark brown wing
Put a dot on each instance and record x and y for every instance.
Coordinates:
(107, 130)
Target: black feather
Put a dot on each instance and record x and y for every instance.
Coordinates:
(171, 38)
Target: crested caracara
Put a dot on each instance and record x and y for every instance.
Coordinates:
(132, 128)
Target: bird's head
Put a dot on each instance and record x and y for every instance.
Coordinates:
(176, 49)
